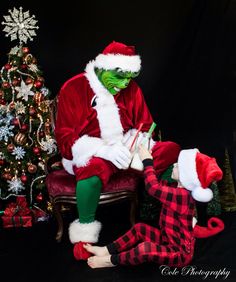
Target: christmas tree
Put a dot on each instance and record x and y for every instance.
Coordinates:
(26, 136)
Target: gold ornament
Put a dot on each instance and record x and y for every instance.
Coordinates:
(38, 97)
(49, 206)
(44, 106)
(20, 138)
(47, 127)
(32, 168)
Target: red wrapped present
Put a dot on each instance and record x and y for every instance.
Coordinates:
(17, 214)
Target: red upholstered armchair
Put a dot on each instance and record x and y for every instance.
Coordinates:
(61, 189)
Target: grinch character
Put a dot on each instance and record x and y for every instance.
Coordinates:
(99, 112)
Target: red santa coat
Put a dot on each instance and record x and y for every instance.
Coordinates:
(89, 116)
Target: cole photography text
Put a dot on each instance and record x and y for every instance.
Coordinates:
(192, 270)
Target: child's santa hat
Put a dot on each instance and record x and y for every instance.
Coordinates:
(118, 55)
(196, 172)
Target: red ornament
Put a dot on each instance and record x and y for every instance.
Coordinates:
(2, 162)
(36, 150)
(38, 84)
(25, 50)
(10, 147)
(32, 111)
(7, 66)
(6, 84)
(15, 121)
(24, 127)
(15, 81)
(39, 197)
(24, 178)
(7, 176)
(29, 80)
(34, 60)
(2, 102)
(41, 134)
(38, 97)
(23, 66)
(12, 106)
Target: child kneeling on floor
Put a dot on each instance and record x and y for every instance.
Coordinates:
(172, 244)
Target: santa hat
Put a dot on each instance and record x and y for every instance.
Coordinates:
(118, 55)
(196, 173)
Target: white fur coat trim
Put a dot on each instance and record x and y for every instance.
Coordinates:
(84, 232)
(84, 148)
(106, 107)
(123, 62)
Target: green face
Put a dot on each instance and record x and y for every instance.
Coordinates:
(115, 80)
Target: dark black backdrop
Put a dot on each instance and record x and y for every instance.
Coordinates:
(188, 50)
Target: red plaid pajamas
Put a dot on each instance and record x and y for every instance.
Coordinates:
(173, 243)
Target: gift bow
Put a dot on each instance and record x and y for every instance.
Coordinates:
(20, 208)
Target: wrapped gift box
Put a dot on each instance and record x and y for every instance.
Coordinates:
(17, 221)
(17, 214)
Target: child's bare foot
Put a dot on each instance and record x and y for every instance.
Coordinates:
(97, 251)
(99, 262)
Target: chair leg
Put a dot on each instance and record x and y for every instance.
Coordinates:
(133, 209)
(58, 215)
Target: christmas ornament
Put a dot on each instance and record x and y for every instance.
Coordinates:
(20, 25)
(10, 148)
(32, 111)
(36, 150)
(2, 162)
(7, 66)
(15, 185)
(23, 66)
(5, 84)
(7, 176)
(15, 121)
(11, 106)
(24, 178)
(49, 145)
(20, 138)
(2, 102)
(15, 82)
(38, 97)
(29, 80)
(38, 84)
(32, 168)
(25, 50)
(41, 134)
(20, 108)
(19, 152)
(39, 197)
(49, 206)
(47, 127)
(24, 91)
(24, 127)
(34, 61)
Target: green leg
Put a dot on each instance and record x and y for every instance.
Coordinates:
(88, 194)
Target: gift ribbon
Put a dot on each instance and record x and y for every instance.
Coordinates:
(19, 208)
(14, 223)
